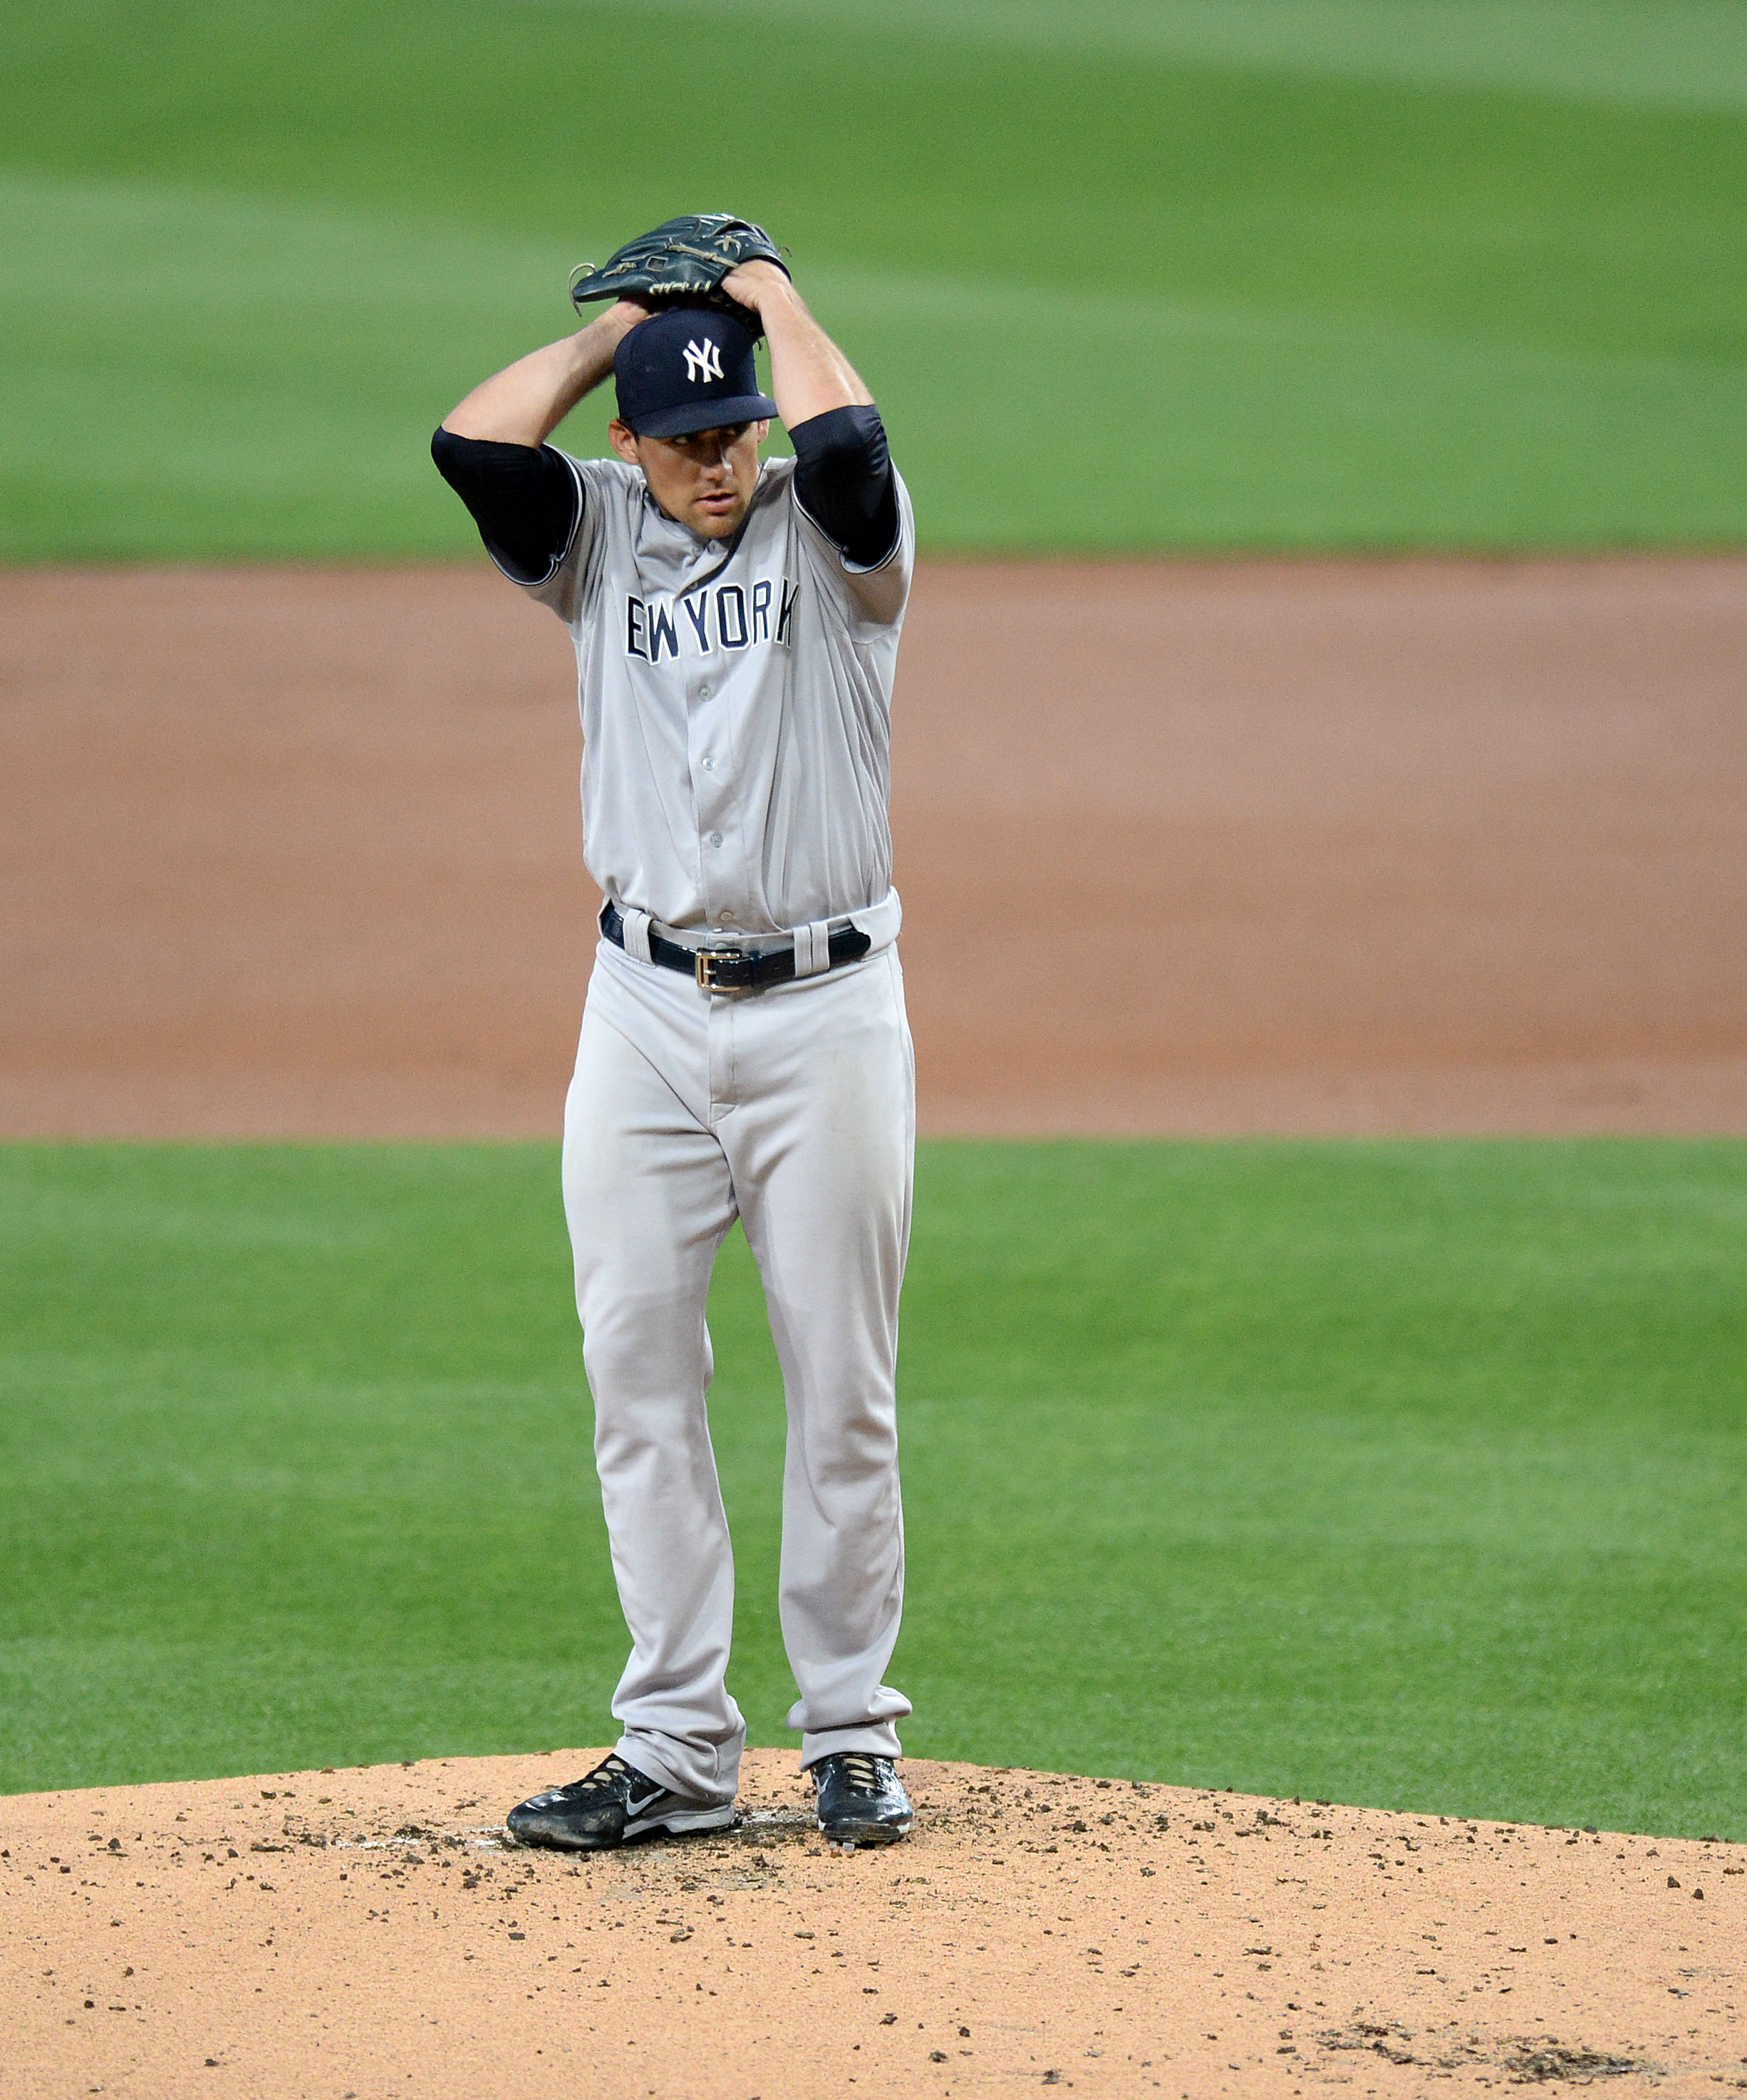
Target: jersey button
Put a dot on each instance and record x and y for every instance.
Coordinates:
(703, 692)
(715, 838)
(709, 765)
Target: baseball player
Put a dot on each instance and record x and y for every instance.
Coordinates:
(744, 1050)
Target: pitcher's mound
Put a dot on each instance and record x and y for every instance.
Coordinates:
(364, 1933)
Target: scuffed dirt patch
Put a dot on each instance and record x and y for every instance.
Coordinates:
(1537, 2064)
(1528, 2060)
(367, 1933)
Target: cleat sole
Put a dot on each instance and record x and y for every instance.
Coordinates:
(870, 1833)
(677, 1823)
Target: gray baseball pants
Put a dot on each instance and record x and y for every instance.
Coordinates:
(794, 1110)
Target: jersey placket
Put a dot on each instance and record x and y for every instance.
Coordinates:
(709, 726)
(714, 797)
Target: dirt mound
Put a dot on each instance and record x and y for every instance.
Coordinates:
(1035, 1930)
(1293, 846)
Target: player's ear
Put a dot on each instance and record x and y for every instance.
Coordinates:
(623, 439)
(763, 429)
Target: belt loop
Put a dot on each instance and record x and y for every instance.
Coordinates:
(636, 925)
(813, 948)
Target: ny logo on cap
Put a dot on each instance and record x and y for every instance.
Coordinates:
(703, 360)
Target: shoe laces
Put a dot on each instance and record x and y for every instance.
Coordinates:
(602, 1779)
(863, 1773)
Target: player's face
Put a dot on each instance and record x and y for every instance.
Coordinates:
(706, 480)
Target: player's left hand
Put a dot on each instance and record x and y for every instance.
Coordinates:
(624, 313)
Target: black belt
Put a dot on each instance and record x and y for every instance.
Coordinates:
(735, 969)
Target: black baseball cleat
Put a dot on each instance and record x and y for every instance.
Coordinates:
(613, 1805)
(860, 1800)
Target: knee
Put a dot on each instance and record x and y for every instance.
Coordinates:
(850, 1444)
(648, 1367)
(643, 1351)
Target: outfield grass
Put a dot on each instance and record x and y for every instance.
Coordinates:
(1124, 274)
(1408, 1474)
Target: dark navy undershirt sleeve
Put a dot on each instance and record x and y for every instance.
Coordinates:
(524, 499)
(844, 482)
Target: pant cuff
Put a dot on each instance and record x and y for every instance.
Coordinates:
(877, 1738)
(711, 1774)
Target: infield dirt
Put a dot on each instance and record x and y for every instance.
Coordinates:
(1269, 846)
(1035, 1931)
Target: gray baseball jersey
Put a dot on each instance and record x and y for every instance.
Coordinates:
(736, 705)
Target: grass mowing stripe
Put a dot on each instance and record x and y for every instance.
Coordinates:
(1678, 54)
(254, 252)
(253, 424)
(258, 425)
(1540, 445)
(1412, 1474)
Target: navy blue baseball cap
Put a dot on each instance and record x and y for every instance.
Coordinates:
(688, 368)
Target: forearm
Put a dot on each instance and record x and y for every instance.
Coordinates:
(526, 401)
(809, 376)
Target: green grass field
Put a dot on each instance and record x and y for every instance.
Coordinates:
(1124, 273)
(1408, 1474)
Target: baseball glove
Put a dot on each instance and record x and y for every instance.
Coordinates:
(684, 259)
